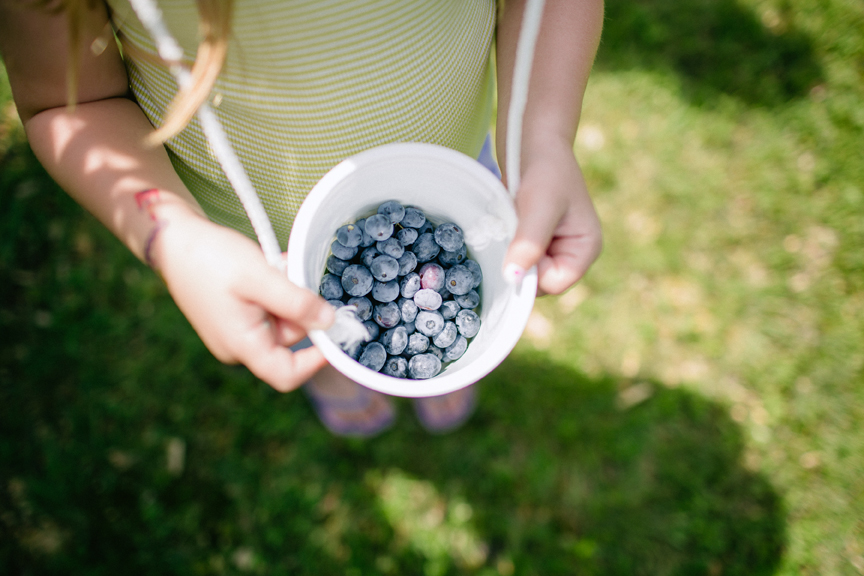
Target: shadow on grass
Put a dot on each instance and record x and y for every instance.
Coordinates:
(562, 480)
(716, 47)
(126, 448)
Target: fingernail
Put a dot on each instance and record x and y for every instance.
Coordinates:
(513, 273)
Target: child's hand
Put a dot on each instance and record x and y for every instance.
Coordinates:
(558, 227)
(243, 309)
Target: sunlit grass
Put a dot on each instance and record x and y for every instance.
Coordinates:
(724, 227)
(437, 528)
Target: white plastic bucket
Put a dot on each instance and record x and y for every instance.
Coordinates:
(449, 187)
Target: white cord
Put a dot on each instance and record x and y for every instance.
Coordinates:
(242, 185)
(519, 90)
(172, 53)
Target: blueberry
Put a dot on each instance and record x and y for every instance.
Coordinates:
(423, 366)
(393, 210)
(379, 227)
(449, 237)
(384, 268)
(407, 236)
(408, 309)
(395, 340)
(331, 288)
(432, 276)
(349, 235)
(470, 300)
(447, 336)
(425, 248)
(413, 217)
(336, 265)
(364, 307)
(373, 329)
(435, 351)
(407, 263)
(449, 309)
(367, 239)
(459, 280)
(426, 299)
(387, 315)
(426, 227)
(373, 356)
(391, 247)
(336, 303)
(357, 280)
(476, 273)
(368, 255)
(468, 323)
(452, 258)
(385, 291)
(396, 366)
(445, 294)
(456, 350)
(341, 251)
(409, 327)
(429, 323)
(417, 344)
(409, 285)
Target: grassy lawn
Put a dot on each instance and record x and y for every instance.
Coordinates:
(694, 406)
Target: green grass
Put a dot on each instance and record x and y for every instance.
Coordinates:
(695, 406)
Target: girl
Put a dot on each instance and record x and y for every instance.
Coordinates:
(299, 85)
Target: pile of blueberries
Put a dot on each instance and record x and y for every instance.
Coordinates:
(413, 286)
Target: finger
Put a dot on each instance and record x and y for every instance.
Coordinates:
(533, 235)
(569, 259)
(276, 365)
(305, 363)
(287, 333)
(281, 298)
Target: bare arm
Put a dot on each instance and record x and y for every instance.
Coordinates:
(558, 230)
(244, 310)
(99, 165)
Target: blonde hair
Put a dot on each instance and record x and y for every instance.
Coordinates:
(214, 26)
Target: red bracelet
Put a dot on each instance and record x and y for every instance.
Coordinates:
(145, 200)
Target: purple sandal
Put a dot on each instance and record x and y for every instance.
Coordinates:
(435, 423)
(328, 408)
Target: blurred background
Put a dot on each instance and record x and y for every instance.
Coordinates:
(694, 406)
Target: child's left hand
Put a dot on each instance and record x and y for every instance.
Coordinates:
(559, 230)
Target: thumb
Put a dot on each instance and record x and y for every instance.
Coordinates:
(534, 232)
(280, 297)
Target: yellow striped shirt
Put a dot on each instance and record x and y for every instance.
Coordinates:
(308, 83)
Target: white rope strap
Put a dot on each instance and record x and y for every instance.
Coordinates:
(519, 90)
(171, 52)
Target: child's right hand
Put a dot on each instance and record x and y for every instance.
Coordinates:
(244, 310)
